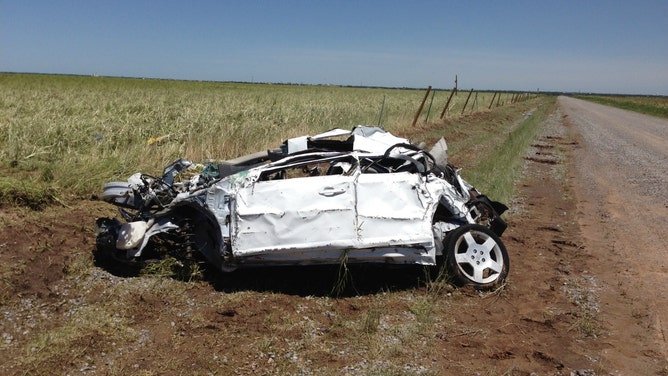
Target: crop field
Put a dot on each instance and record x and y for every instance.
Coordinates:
(72, 134)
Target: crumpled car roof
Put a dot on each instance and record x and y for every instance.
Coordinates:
(362, 137)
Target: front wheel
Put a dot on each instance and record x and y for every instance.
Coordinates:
(475, 256)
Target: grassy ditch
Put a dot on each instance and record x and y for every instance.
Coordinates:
(497, 172)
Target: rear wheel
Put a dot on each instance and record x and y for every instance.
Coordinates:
(475, 256)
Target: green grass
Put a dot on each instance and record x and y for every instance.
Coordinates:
(25, 193)
(653, 106)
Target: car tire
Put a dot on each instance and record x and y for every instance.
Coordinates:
(475, 256)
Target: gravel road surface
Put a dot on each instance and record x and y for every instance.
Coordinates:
(621, 183)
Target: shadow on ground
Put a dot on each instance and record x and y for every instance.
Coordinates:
(321, 280)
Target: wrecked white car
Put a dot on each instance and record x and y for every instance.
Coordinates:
(360, 196)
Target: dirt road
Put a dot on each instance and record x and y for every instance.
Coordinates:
(621, 186)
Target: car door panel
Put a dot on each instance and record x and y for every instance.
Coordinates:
(393, 209)
(294, 214)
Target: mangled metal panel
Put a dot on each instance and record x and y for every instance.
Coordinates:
(365, 138)
(440, 152)
(393, 209)
(280, 219)
(301, 213)
(374, 139)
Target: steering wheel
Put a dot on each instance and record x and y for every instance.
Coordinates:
(422, 167)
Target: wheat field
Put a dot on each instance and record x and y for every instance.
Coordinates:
(74, 133)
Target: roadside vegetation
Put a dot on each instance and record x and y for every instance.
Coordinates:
(649, 105)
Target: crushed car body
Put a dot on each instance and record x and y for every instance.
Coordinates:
(363, 196)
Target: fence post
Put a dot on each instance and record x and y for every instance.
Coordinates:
(492, 102)
(382, 108)
(426, 119)
(467, 101)
(452, 92)
(426, 95)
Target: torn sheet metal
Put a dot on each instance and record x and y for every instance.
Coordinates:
(302, 213)
(364, 138)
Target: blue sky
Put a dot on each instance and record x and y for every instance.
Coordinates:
(586, 46)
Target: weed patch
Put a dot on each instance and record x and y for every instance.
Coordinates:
(24, 193)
